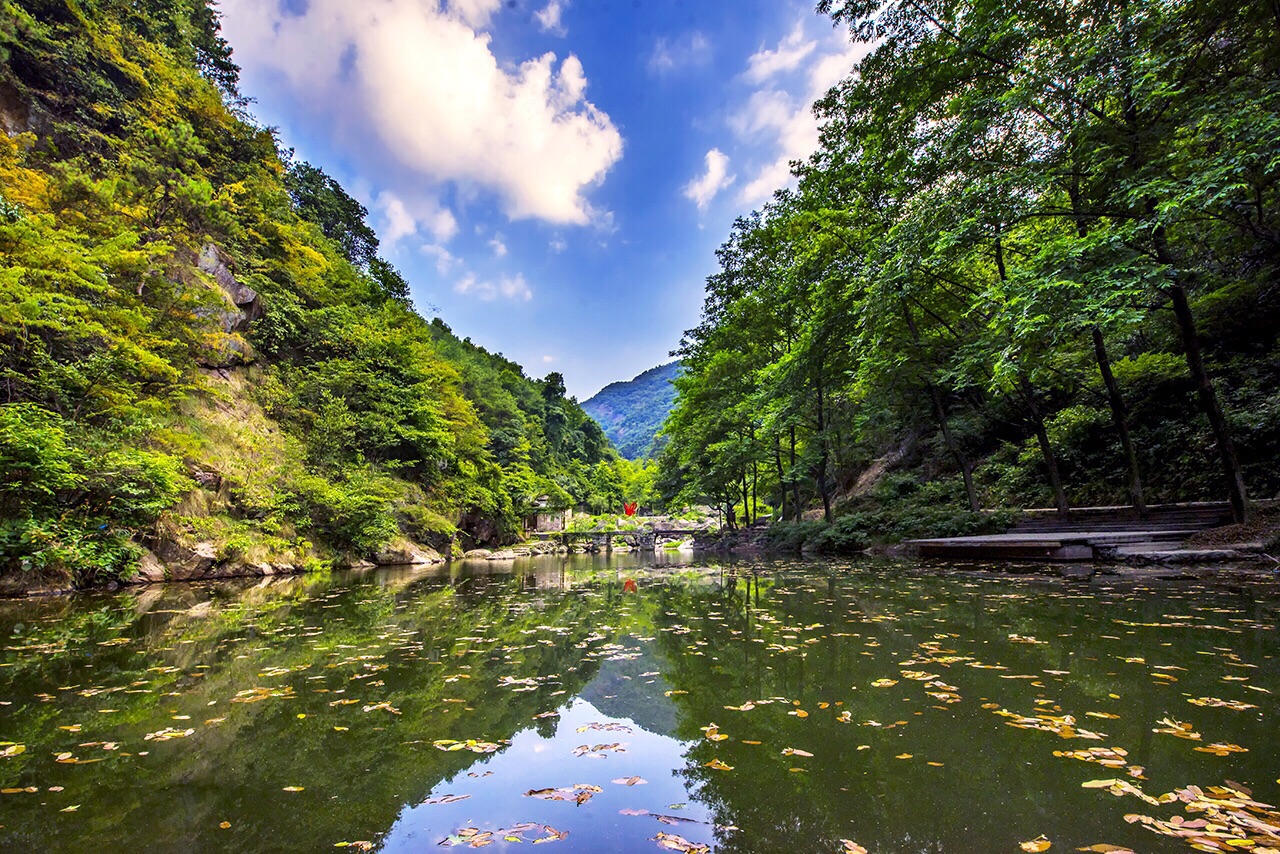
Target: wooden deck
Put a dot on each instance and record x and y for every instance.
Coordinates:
(1088, 533)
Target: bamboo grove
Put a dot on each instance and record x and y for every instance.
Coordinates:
(1034, 261)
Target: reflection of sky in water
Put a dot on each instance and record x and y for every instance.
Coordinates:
(535, 762)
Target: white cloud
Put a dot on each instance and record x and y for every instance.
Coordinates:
(703, 189)
(546, 360)
(445, 261)
(417, 96)
(548, 18)
(498, 246)
(667, 55)
(791, 51)
(783, 115)
(514, 288)
(401, 218)
(558, 245)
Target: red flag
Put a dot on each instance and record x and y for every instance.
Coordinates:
(629, 508)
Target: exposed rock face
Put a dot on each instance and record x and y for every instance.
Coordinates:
(407, 553)
(226, 350)
(150, 568)
(248, 306)
(15, 118)
(185, 564)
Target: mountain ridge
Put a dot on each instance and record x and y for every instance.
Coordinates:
(631, 412)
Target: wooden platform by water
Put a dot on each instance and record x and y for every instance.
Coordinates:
(1085, 534)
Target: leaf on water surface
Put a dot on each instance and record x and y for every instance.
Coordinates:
(1040, 843)
(387, 706)
(630, 811)
(1218, 749)
(884, 683)
(445, 799)
(904, 756)
(792, 751)
(851, 847)
(1104, 848)
(224, 825)
(11, 749)
(607, 727)
(471, 744)
(630, 781)
(717, 765)
(799, 713)
(71, 808)
(1216, 703)
(580, 793)
(672, 842)
(1177, 728)
(745, 707)
(168, 734)
(294, 788)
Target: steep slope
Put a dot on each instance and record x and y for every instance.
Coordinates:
(632, 412)
(200, 346)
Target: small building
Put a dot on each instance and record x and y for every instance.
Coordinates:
(547, 518)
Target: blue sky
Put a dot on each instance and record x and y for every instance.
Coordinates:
(552, 176)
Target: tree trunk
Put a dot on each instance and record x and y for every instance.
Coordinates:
(1120, 416)
(821, 473)
(795, 483)
(1209, 402)
(940, 412)
(782, 483)
(1046, 449)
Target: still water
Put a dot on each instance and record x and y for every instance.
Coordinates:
(754, 707)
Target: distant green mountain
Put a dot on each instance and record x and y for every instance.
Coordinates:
(632, 413)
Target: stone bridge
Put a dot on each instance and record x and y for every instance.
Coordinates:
(603, 541)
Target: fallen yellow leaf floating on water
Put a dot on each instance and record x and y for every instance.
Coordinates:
(1216, 703)
(884, 683)
(791, 751)
(1218, 749)
(294, 788)
(71, 808)
(671, 842)
(717, 765)
(1040, 843)
(851, 847)
(799, 713)
(224, 825)
(903, 756)
(1104, 848)
(630, 781)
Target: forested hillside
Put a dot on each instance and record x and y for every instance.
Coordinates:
(632, 412)
(1033, 262)
(200, 343)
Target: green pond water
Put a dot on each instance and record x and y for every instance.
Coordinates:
(762, 707)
